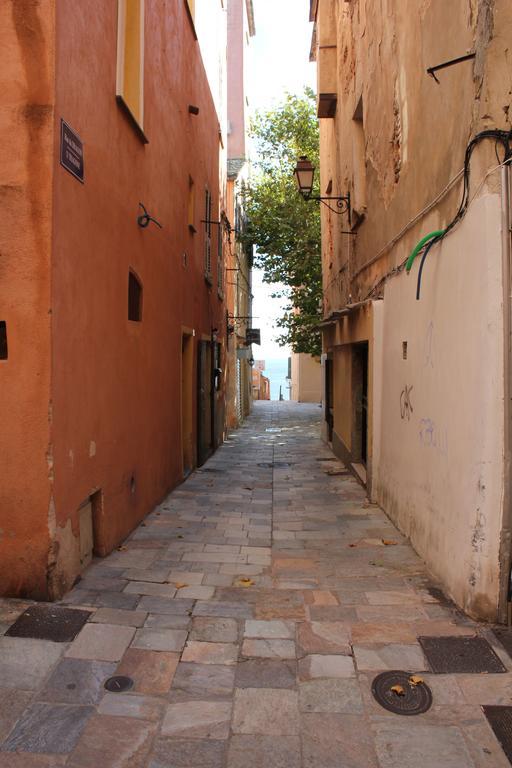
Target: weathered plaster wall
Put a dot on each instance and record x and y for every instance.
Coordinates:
(306, 378)
(440, 473)
(117, 383)
(26, 178)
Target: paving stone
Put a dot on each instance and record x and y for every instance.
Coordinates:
(131, 705)
(214, 630)
(151, 671)
(186, 577)
(337, 741)
(224, 609)
(392, 656)
(266, 711)
(178, 753)
(331, 696)
(113, 742)
(202, 681)
(77, 681)
(267, 751)
(24, 663)
(167, 621)
(270, 629)
(323, 637)
(196, 593)
(162, 605)
(268, 649)
(197, 720)
(117, 600)
(12, 704)
(150, 588)
(384, 632)
(266, 673)
(160, 639)
(120, 617)
(29, 760)
(430, 746)
(102, 642)
(51, 728)
(210, 653)
(156, 575)
(315, 666)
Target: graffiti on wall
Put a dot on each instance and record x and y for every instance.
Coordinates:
(432, 436)
(406, 409)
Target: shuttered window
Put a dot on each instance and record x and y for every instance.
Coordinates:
(130, 58)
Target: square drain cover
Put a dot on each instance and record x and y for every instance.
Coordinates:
(49, 622)
(460, 654)
(500, 720)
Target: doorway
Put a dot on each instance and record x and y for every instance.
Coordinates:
(187, 365)
(328, 400)
(360, 403)
(204, 402)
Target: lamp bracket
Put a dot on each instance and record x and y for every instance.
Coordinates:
(342, 203)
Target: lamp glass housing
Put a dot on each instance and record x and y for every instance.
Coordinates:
(304, 175)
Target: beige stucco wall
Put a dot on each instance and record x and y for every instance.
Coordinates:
(306, 378)
(440, 469)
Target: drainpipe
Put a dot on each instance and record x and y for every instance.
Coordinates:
(505, 598)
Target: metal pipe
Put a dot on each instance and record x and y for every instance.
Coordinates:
(504, 613)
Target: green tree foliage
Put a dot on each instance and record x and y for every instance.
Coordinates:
(285, 228)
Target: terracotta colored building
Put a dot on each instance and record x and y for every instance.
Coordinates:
(415, 120)
(112, 329)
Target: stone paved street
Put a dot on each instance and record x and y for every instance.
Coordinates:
(252, 609)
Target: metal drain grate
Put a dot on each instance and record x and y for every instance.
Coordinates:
(402, 692)
(118, 684)
(49, 622)
(500, 720)
(448, 655)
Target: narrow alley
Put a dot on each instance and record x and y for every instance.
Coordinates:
(251, 612)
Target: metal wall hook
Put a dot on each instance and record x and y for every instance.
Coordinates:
(144, 219)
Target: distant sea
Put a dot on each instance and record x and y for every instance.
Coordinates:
(276, 370)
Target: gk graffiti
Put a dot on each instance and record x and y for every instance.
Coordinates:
(406, 408)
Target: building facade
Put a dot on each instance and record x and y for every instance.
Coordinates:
(306, 378)
(241, 29)
(416, 350)
(113, 329)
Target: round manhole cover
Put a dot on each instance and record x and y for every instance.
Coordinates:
(118, 684)
(402, 692)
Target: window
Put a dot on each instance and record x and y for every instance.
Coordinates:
(130, 58)
(3, 340)
(134, 298)
(359, 165)
(207, 234)
(220, 260)
(191, 210)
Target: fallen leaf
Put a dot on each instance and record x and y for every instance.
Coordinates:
(179, 536)
(247, 487)
(143, 525)
(246, 582)
(398, 689)
(122, 549)
(389, 542)
(158, 513)
(416, 680)
(180, 585)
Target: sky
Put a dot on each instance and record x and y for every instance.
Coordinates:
(279, 64)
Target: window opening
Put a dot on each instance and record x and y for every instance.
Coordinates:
(130, 58)
(3, 340)
(208, 234)
(134, 298)
(191, 204)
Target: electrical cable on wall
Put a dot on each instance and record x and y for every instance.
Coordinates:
(501, 137)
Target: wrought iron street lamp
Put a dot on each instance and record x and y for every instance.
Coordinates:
(304, 175)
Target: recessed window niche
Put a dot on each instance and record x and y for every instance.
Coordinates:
(134, 297)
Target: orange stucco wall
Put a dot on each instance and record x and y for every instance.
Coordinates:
(115, 383)
(26, 136)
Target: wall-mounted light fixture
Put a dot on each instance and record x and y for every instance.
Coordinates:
(144, 218)
(304, 173)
